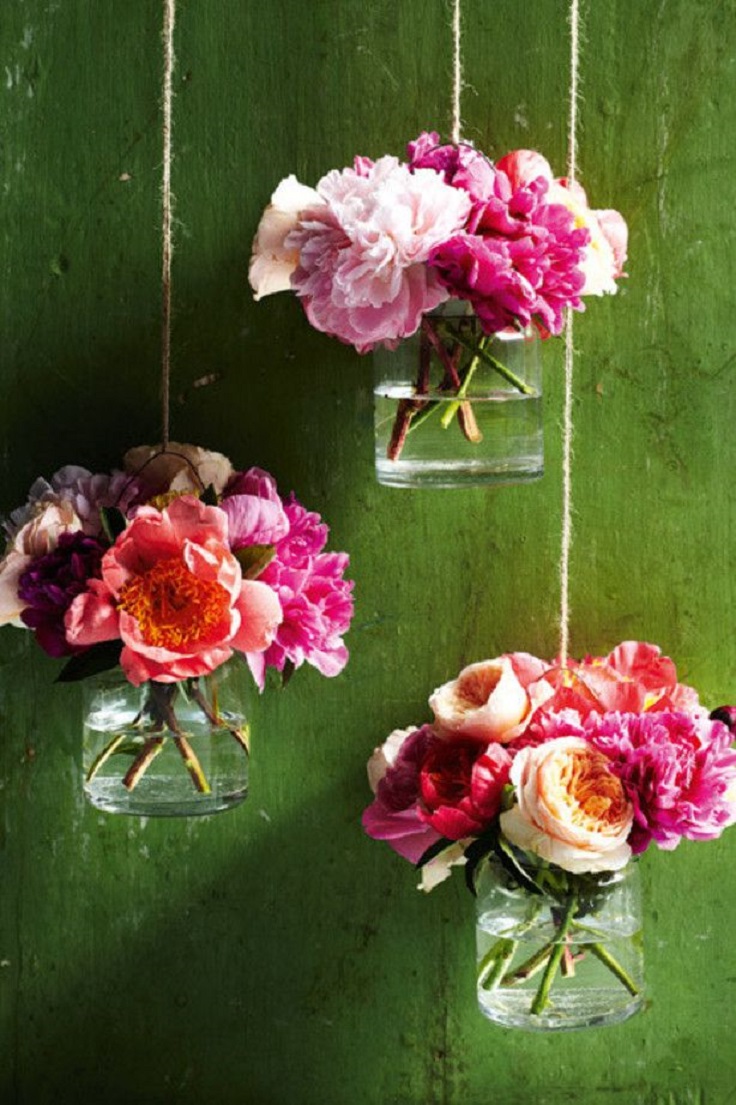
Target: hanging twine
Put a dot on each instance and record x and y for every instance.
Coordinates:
(457, 74)
(567, 423)
(167, 244)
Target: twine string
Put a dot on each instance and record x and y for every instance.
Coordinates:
(457, 73)
(567, 415)
(167, 203)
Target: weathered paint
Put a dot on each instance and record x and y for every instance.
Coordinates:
(273, 954)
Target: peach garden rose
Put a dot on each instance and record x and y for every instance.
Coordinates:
(571, 809)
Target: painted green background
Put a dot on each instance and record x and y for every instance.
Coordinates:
(272, 955)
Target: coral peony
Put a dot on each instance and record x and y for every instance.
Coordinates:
(173, 592)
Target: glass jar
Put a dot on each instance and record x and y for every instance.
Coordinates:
(457, 407)
(569, 960)
(167, 749)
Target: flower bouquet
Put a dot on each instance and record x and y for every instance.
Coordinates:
(457, 264)
(546, 784)
(148, 581)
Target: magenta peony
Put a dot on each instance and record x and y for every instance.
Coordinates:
(679, 772)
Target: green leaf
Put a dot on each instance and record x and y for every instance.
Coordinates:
(254, 558)
(92, 661)
(113, 522)
(209, 496)
(286, 674)
(477, 851)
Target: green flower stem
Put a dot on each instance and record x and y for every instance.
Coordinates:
(541, 999)
(194, 767)
(141, 764)
(462, 391)
(494, 963)
(105, 755)
(530, 966)
(482, 354)
(215, 718)
(614, 966)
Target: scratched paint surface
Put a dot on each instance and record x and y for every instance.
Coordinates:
(272, 954)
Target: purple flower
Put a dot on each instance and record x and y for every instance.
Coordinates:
(52, 582)
(84, 491)
(679, 772)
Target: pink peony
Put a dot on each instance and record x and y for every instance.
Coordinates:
(394, 775)
(461, 786)
(362, 275)
(254, 510)
(679, 772)
(317, 609)
(173, 592)
(605, 254)
(462, 166)
(520, 265)
(428, 788)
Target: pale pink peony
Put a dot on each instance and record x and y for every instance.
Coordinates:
(173, 592)
(678, 770)
(362, 275)
(571, 809)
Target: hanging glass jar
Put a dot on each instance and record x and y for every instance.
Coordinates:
(562, 960)
(457, 407)
(167, 749)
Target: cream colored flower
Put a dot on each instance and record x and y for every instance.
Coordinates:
(180, 469)
(486, 702)
(271, 263)
(39, 536)
(599, 262)
(383, 757)
(571, 809)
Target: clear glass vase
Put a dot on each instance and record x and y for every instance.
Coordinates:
(572, 960)
(456, 407)
(167, 749)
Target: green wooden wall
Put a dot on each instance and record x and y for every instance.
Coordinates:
(273, 955)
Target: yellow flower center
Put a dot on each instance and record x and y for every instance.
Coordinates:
(596, 796)
(174, 609)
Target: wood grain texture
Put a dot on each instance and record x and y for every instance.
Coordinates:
(272, 954)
